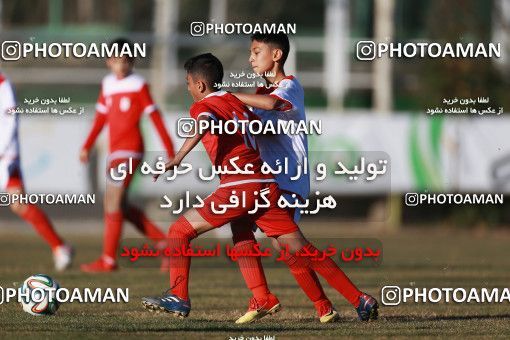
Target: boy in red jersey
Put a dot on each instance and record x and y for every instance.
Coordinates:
(203, 72)
(123, 101)
(11, 179)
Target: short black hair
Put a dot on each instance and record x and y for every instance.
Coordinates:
(120, 42)
(206, 66)
(278, 40)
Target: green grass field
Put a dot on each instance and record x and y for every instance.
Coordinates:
(423, 258)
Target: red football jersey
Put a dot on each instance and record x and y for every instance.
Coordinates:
(222, 106)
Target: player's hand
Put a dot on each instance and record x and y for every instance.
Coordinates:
(84, 156)
(170, 165)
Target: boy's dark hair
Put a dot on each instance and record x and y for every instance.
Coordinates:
(277, 40)
(120, 42)
(208, 67)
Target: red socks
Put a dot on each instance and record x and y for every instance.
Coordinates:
(331, 272)
(250, 266)
(143, 224)
(253, 273)
(307, 280)
(180, 234)
(42, 225)
(112, 232)
(113, 229)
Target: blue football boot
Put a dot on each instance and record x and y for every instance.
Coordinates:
(168, 303)
(367, 308)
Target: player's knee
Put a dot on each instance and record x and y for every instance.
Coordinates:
(114, 199)
(181, 228)
(112, 206)
(275, 244)
(294, 244)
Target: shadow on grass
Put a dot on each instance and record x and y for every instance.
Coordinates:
(403, 318)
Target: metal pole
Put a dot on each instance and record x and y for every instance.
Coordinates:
(218, 10)
(383, 91)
